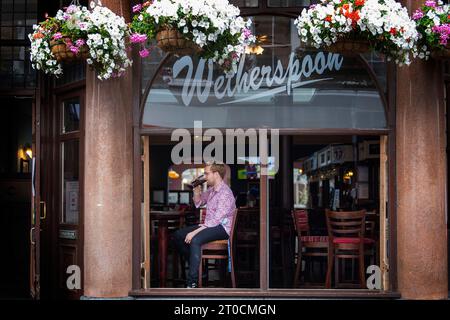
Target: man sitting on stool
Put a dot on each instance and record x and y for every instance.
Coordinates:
(220, 208)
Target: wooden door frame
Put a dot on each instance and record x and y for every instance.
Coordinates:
(389, 102)
(76, 90)
(35, 259)
(264, 219)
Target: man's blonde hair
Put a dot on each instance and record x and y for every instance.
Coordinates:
(217, 167)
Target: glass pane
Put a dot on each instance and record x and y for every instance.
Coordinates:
(7, 19)
(286, 86)
(32, 5)
(6, 33)
(70, 182)
(6, 68)
(290, 3)
(19, 33)
(71, 116)
(6, 53)
(19, 19)
(18, 67)
(31, 19)
(169, 191)
(245, 3)
(339, 173)
(150, 66)
(7, 5)
(19, 5)
(19, 53)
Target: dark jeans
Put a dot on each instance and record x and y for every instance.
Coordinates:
(191, 252)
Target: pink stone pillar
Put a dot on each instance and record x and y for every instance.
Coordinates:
(108, 171)
(421, 180)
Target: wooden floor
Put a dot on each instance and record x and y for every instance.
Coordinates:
(271, 293)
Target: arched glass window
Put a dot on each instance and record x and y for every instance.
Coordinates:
(285, 87)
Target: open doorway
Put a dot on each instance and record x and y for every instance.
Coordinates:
(15, 195)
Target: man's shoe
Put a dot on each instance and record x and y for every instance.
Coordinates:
(192, 285)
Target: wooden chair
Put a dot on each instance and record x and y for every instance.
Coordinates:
(315, 246)
(346, 241)
(218, 250)
(246, 254)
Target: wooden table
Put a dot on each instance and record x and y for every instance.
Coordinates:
(163, 239)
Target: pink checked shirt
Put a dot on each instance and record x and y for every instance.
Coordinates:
(220, 206)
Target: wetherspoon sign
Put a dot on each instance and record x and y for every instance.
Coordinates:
(275, 81)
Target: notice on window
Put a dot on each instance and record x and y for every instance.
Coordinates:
(72, 202)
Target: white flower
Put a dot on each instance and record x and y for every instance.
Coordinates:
(376, 17)
(106, 34)
(209, 22)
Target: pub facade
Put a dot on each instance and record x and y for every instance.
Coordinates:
(104, 187)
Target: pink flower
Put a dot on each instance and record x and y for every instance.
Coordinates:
(74, 49)
(71, 9)
(444, 33)
(430, 3)
(138, 38)
(247, 33)
(137, 8)
(80, 42)
(144, 53)
(417, 14)
(82, 26)
(66, 16)
(57, 36)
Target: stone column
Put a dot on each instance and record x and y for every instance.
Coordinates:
(108, 169)
(421, 180)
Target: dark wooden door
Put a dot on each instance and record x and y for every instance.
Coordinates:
(68, 195)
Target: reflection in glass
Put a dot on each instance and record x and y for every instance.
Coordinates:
(70, 182)
(71, 116)
(286, 86)
(245, 3)
(20, 33)
(149, 66)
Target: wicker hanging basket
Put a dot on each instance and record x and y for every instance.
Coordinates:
(350, 46)
(172, 41)
(63, 53)
(443, 54)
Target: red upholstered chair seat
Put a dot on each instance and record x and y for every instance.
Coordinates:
(352, 240)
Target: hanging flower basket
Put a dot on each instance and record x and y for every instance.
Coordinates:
(213, 30)
(172, 41)
(75, 33)
(433, 25)
(62, 52)
(349, 46)
(359, 26)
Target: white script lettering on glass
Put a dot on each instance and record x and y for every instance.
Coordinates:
(241, 82)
